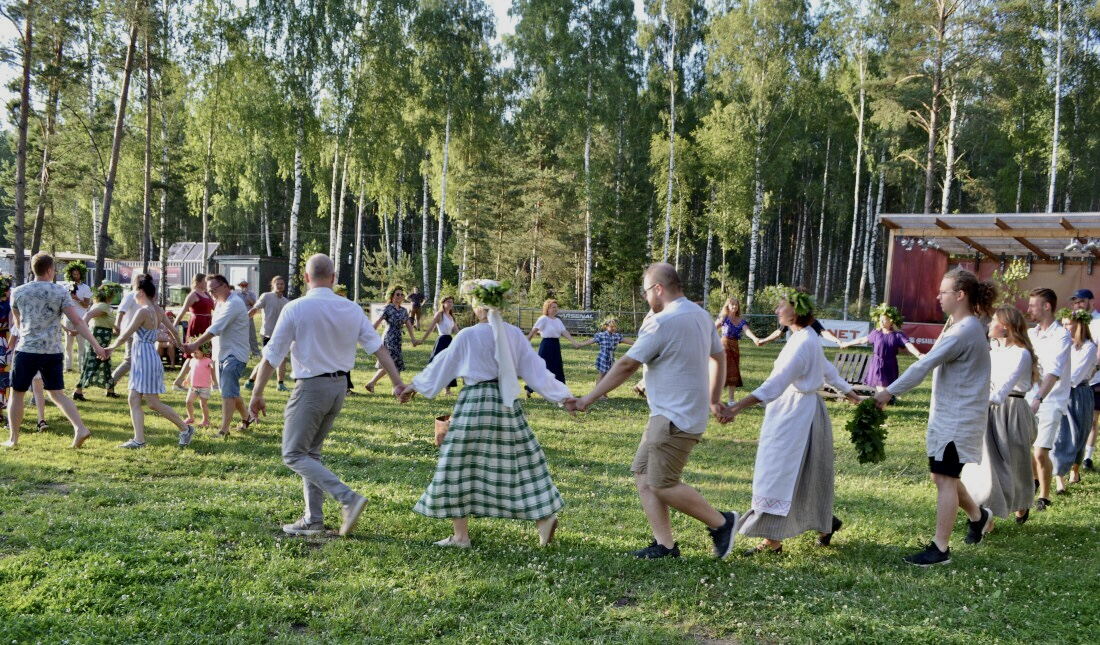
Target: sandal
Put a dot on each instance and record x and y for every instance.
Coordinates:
(452, 543)
(43, 426)
(77, 396)
(762, 549)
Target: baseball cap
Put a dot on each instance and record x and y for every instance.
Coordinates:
(242, 283)
(1081, 294)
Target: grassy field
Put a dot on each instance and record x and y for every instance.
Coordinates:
(163, 544)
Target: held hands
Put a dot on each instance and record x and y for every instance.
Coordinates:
(722, 413)
(574, 405)
(882, 399)
(403, 392)
(1035, 406)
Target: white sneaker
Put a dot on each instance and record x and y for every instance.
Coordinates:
(301, 527)
(351, 513)
(186, 434)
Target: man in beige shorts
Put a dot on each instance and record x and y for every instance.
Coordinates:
(685, 371)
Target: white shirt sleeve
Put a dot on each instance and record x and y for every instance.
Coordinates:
(785, 371)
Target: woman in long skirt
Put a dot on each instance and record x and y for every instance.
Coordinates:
(732, 327)
(1070, 443)
(490, 463)
(146, 371)
(444, 321)
(550, 328)
(1002, 482)
(94, 372)
(792, 483)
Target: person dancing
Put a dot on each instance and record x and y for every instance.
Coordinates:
(887, 340)
(444, 321)
(960, 367)
(201, 306)
(1069, 445)
(550, 328)
(395, 316)
(1002, 482)
(793, 480)
(732, 327)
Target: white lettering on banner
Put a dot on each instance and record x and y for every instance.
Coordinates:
(844, 330)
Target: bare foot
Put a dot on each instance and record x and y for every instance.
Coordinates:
(80, 437)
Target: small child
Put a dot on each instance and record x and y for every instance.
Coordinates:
(202, 376)
(608, 340)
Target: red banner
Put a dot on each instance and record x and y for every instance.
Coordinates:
(923, 335)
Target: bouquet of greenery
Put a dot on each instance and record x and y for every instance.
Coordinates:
(868, 432)
(487, 293)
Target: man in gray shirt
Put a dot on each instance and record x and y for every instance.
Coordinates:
(685, 373)
(230, 329)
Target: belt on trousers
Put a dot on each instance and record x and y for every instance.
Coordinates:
(1016, 395)
(341, 373)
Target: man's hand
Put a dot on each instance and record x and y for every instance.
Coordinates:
(403, 392)
(101, 354)
(257, 406)
(882, 399)
(189, 348)
(721, 412)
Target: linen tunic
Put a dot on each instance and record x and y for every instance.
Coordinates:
(960, 366)
(1053, 348)
(791, 394)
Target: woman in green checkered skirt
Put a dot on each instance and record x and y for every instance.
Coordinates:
(490, 464)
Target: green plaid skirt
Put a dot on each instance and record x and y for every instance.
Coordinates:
(94, 372)
(490, 464)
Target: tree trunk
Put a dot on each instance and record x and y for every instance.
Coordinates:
(588, 189)
(400, 218)
(442, 210)
(757, 212)
(424, 232)
(147, 197)
(821, 225)
(671, 133)
(875, 255)
(116, 147)
(934, 109)
(779, 241)
(47, 138)
(866, 243)
(855, 192)
(21, 147)
(294, 277)
(208, 163)
(338, 258)
(949, 162)
(358, 268)
(332, 202)
(710, 249)
(1057, 115)
(164, 173)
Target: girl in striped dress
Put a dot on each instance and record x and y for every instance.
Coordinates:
(146, 371)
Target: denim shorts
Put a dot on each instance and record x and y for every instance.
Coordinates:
(230, 371)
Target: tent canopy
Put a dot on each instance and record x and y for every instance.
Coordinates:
(1043, 235)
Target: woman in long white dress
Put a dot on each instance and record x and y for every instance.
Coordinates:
(792, 482)
(490, 463)
(1002, 482)
(1069, 445)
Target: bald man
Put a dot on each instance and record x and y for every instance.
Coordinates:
(320, 331)
(685, 373)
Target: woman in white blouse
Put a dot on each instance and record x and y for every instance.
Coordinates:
(490, 463)
(1003, 482)
(550, 328)
(444, 321)
(1069, 445)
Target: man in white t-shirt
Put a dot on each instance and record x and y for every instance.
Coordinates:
(229, 330)
(81, 294)
(1050, 397)
(270, 304)
(685, 372)
(1082, 299)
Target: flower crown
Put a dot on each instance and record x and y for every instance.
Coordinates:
(610, 320)
(1079, 315)
(103, 293)
(890, 312)
(802, 302)
(73, 266)
(486, 293)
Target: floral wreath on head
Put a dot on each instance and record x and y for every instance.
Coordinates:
(103, 293)
(72, 266)
(487, 293)
(610, 320)
(1080, 315)
(5, 285)
(890, 312)
(802, 302)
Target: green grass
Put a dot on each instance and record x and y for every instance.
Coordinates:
(162, 544)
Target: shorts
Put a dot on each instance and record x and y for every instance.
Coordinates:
(202, 392)
(949, 465)
(230, 371)
(1096, 397)
(27, 365)
(663, 452)
(1048, 422)
(266, 338)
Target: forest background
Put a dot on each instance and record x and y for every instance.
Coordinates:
(749, 143)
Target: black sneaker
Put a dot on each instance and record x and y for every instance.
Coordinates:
(827, 539)
(1088, 464)
(723, 535)
(655, 551)
(1043, 504)
(978, 528)
(929, 556)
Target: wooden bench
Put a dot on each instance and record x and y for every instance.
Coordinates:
(852, 367)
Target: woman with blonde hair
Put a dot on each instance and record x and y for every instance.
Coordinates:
(395, 316)
(1002, 482)
(551, 329)
(731, 326)
(1069, 445)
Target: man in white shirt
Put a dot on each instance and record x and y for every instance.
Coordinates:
(81, 294)
(685, 373)
(1082, 300)
(229, 330)
(1050, 398)
(320, 331)
(125, 309)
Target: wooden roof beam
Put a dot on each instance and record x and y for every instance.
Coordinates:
(1001, 224)
(967, 241)
(1069, 227)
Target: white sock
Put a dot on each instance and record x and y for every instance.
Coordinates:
(1088, 451)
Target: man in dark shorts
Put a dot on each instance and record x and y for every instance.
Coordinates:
(417, 300)
(685, 375)
(37, 308)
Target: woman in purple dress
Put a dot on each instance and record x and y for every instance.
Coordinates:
(887, 340)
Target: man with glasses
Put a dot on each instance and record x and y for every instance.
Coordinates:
(685, 375)
(229, 329)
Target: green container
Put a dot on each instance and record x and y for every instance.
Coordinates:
(177, 293)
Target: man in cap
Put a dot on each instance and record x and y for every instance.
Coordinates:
(1082, 300)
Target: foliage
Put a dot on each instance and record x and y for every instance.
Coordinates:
(891, 312)
(487, 293)
(1009, 291)
(868, 432)
(768, 298)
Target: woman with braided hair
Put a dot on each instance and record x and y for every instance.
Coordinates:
(792, 482)
(887, 340)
